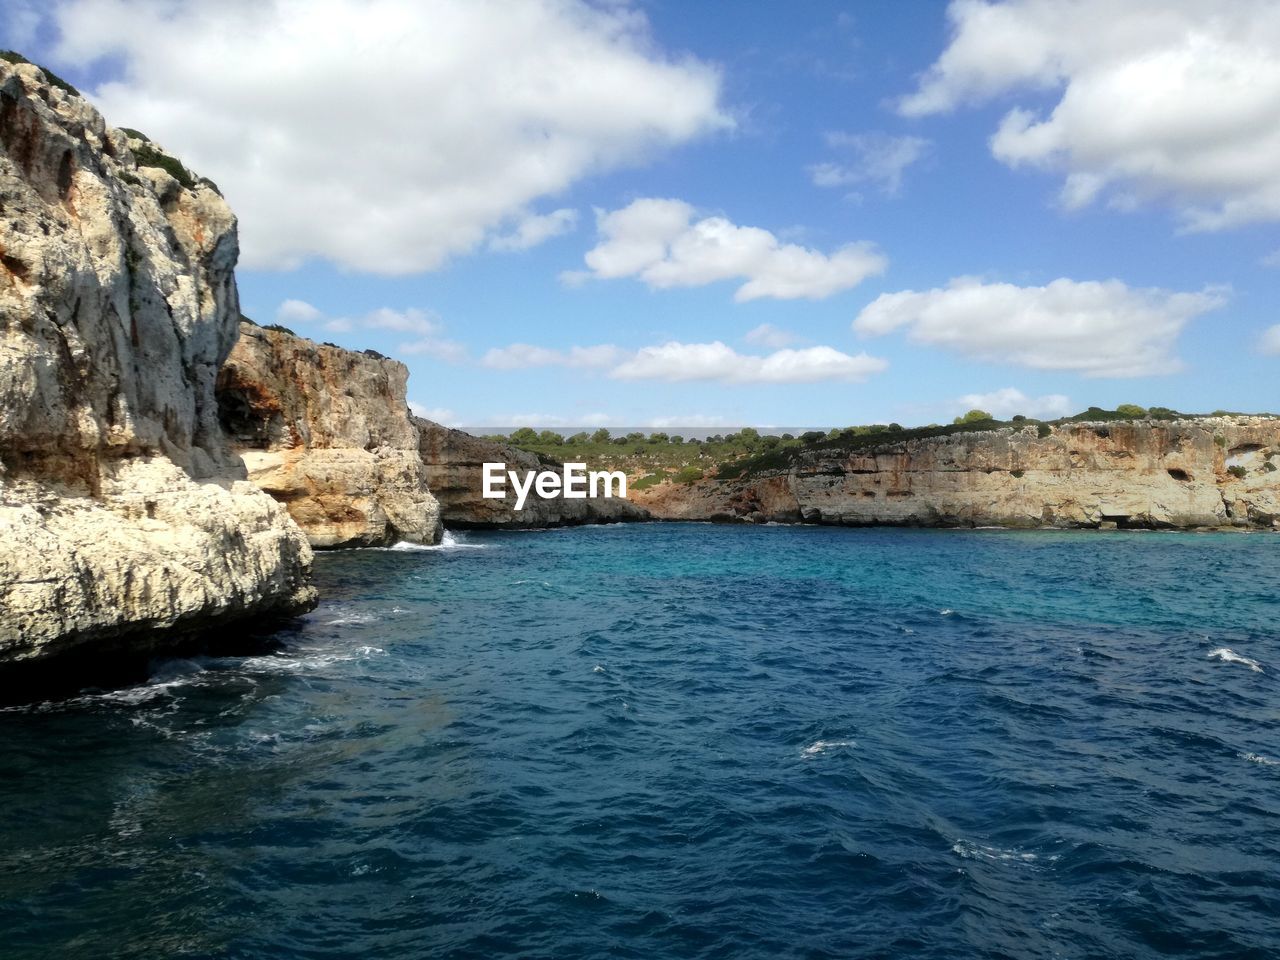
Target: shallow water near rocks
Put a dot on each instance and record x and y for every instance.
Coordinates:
(685, 741)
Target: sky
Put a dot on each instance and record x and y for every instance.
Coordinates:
(661, 213)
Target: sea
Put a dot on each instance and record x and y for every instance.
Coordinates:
(684, 740)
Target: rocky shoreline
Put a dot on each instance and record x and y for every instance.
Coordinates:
(125, 520)
(167, 468)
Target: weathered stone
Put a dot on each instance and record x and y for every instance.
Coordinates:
(122, 514)
(326, 431)
(1144, 474)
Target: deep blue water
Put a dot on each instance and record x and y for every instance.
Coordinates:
(686, 741)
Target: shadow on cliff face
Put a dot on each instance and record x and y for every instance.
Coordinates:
(249, 414)
(111, 664)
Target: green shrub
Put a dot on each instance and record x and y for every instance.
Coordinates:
(278, 328)
(12, 56)
(1238, 472)
(1016, 474)
(973, 416)
(148, 156)
(1131, 410)
(133, 134)
(692, 474)
(373, 353)
(1043, 430)
(1220, 440)
(1269, 467)
(652, 480)
(524, 437)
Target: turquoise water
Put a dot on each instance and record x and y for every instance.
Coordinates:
(686, 741)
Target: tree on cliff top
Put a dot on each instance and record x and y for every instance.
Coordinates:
(973, 416)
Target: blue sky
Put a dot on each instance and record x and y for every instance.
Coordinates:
(678, 214)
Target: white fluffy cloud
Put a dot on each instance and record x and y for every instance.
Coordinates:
(1010, 401)
(658, 241)
(424, 330)
(716, 361)
(1172, 99)
(519, 356)
(441, 415)
(767, 335)
(877, 158)
(1270, 342)
(674, 361)
(389, 135)
(1096, 328)
(297, 311)
(535, 229)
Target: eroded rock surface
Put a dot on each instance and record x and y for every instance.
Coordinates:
(1205, 472)
(326, 431)
(124, 519)
(454, 462)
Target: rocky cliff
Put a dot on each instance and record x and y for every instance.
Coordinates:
(326, 431)
(454, 462)
(1203, 472)
(124, 519)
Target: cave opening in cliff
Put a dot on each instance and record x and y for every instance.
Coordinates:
(247, 418)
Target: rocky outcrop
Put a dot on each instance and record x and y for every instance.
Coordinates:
(326, 431)
(1203, 472)
(124, 519)
(454, 462)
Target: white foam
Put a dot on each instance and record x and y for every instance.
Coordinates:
(284, 663)
(1255, 758)
(1227, 655)
(977, 851)
(598, 668)
(449, 541)
(354, 619)
(946, 612)
(822, 746)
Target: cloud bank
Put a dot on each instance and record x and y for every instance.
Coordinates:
(1010, 401)
(423, 331)
(676, 362)
(1095, 328)
(1156, 99)
(389, 135)
(659, 242)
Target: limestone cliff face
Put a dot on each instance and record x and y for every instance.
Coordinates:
(1209, 472)
(454, 462)
(122, 513)
(326, 431)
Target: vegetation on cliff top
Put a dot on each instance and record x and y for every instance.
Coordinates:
(12, 56)
(659, 456)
